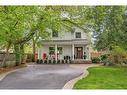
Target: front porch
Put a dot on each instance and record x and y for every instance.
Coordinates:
(72, 52)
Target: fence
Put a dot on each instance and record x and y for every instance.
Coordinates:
(10, 60)
(96, 54)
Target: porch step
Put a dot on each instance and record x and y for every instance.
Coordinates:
(81, 61)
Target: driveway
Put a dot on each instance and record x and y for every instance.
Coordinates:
(40, 77)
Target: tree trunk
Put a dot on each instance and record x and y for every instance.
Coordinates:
(22, 53)
(6, 55)
(34, 51)
(17, 54)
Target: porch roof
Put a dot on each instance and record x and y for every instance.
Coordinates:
(65, 42)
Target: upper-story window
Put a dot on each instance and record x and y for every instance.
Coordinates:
(55, 34)
(78, 35)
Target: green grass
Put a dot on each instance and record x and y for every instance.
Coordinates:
(114, 77)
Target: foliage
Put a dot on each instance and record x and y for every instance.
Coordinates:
(108, 25)
(118, 54)
(104, 57)
(96, 60)
(38, 61)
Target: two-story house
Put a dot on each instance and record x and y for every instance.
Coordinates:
(73, 45)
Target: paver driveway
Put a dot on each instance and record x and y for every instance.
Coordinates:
(40, 77)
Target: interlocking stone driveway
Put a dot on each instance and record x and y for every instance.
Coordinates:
(40, 77)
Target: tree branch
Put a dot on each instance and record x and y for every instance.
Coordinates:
(26, 38)
(66, 20)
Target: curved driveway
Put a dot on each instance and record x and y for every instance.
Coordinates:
(40, 77)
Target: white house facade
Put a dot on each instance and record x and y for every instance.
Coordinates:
(71, 45)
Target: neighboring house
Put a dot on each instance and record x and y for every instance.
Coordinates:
(66, 45)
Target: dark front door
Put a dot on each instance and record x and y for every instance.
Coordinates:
(78, 52)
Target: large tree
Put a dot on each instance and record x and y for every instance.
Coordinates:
(109, 26)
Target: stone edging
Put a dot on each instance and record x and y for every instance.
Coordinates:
(70, 84)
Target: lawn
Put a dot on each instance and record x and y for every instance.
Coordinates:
(114, 77)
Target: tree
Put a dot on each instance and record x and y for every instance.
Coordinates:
(16, 23)
(108, 26)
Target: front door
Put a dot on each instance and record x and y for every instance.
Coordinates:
(78, 52)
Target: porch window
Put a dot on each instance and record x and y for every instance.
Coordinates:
(78, 34)
(51, 50)
(60, 50)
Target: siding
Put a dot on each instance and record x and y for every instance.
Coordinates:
(64, 35)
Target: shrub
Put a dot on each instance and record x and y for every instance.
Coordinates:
(104, 57)
(70, 61)
(54, 61)
(50, 61)
(118, 55)
(62, 61)
(38, 61)
(58, 61)
(66, 61)
(107, 62)
(45, 61)
(41, 61)
(84, 56)
(96, 60)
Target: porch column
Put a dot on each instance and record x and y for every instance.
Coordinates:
(88, 53)
(56, 52)
(39, 53)
(72, 51)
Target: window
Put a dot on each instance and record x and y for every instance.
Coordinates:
(78, 34)
(55, 34)
(51, 50)
(59, 49)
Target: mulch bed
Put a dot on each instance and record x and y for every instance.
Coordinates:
(7, 69)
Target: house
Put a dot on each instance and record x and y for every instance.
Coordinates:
(72, 45)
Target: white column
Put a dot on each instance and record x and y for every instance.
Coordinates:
(83, 51)
(56, 52)
(73, 51)
(88, 53)
(39, 53)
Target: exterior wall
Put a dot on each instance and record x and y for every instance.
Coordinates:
(69, 35)
(67, 51)
(83, 34)
(63, 36)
